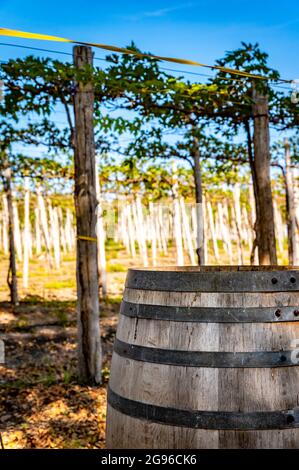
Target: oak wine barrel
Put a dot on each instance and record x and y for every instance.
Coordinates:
(205, 357)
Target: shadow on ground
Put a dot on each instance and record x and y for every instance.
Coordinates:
(41, 403)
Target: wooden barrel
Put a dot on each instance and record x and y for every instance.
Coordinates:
(206, 358)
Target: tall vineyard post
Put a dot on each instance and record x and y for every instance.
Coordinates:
(89, 342)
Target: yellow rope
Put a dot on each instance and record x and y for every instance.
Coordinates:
(89, 239)
(122, 50)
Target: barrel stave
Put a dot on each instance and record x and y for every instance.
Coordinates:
(229, 388)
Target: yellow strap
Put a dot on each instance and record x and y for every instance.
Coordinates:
(89, 239)
(23, 34)
(122, 50)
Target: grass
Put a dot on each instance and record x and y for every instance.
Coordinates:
(68, 377)
(51, 304)
(112, 300)
(21, 323)
(69, 283)
(113, 245)
(106, 373)
(116, 268)
(62, 317)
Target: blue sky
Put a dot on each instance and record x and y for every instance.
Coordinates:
(200, 30)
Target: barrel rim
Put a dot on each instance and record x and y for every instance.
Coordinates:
(217, 268)
(203, 279)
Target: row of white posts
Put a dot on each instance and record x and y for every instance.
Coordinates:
(147, 231)
(44, 230)
(154, 229)
(150, 230)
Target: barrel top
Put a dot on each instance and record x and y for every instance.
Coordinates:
(215, 278)
(212, 268)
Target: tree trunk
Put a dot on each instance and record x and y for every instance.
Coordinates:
(261, 140)
(198, 200)
(290, 207)
(12, 270)
(89, 343)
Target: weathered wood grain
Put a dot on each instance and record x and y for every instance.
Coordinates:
(228, 389)
(89, 343)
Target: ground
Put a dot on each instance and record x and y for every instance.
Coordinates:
(41, 404)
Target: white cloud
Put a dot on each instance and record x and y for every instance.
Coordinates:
(159, 12)
(285, 25)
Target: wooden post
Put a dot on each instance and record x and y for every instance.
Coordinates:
(131, 232)
(5, 224)
(61, 228)
(12, 270)
(236, 216)
(265, 221)
(101, 239)
(26, 241)
(213, 232)
(44, 223)
(17, 231)
(205, 231)
(279, 226)
(290, 206)
(89, 343)
(55, 235)
(153, 228)
(199, 206)
(38, 232)
(186, 230)
(253, 222)
(177, 229)
(141, 230)
(163, 230)
(69, 230)
(224, 231)
(296, 204)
